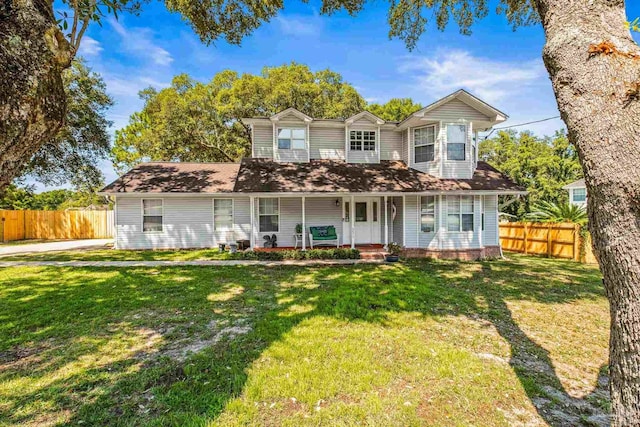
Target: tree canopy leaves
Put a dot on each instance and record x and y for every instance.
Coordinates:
(396, 109)
(542, 165)
(193, 121)
(73, 156)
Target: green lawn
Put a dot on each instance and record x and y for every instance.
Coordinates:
(122, 255)
(518, 342)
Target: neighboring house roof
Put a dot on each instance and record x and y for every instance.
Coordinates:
(169, 177)
(317, 176)
(575, 184)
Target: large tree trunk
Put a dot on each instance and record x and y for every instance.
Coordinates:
(594, 66)
(33, 54)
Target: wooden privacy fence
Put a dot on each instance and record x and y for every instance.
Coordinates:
(557, 240)
(50, 225)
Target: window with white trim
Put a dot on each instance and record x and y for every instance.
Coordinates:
(456, 142)
(579, 194)
(459, 213)
(424, 142)
(292, 139)
(427, 214)
(222, 214)
(152, 213)
(362, 140)
(269, 215)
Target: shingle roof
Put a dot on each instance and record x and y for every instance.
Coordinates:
(575, 184)
(330, 176)
(316, 176)
(168, 177)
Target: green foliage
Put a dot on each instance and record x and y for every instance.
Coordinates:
(336, 253)
(73, 156)
(18, 198)
(634, 25)
(394, 248)
(193, 121)
(542, 165)
(544, 211)
(395, 110)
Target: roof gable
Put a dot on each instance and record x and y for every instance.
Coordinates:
(461, 97)
(366, 115)
(291, 112)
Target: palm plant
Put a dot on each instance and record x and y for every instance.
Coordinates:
(545, 211)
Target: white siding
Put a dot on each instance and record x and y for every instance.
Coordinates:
(462, 239)
(323, 211)
(326, 143)
(187, 223)
(455, 110)
(405, 146)
(412, 224)
(490, 234)
(263, 141)
(390, 145)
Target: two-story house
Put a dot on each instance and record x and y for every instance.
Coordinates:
(417, 182)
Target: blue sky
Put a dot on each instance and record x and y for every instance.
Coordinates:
(501, 66)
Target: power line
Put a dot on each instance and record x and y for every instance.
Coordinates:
(521, 124)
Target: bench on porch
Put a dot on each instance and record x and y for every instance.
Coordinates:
(323, 235)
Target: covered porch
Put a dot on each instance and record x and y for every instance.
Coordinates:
(364, 221)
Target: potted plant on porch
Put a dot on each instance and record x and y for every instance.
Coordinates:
(394, 250)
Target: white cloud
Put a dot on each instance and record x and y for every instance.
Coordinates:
(491, 80)
(299, 25)
(89, 47)
(140, 41)
(130, 86)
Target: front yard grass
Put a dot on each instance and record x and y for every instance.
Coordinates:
(518, 342)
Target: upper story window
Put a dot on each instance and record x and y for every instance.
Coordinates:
(456, 142)
(292, 139)
(152, 214)
(579, 194)
(362, 140)
(424, 140)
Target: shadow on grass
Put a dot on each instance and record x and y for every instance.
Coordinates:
(98, 309)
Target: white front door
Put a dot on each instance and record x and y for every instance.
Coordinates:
(366, 217)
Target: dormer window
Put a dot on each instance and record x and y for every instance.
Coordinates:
(292, 139)
(456, 142)
(362, 140)
(424, 144)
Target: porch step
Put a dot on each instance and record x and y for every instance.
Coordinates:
(379, 254)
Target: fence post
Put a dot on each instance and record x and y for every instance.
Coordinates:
(526, 229)
(576, 242)
(549, 242)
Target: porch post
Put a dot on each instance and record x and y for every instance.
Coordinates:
(386, 224)
(404, 221)
(304, 225)
(252, 207)
(352, 218)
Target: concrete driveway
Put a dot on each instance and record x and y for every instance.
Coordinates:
(67, 245)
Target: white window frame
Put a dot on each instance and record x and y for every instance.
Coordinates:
(259, 214)
(435, 217)
(585, 195)
(291, 139)
(361, 132)
(416, 145)
(232, 213)
(142, 215)
(459, 213)
(466, 131)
